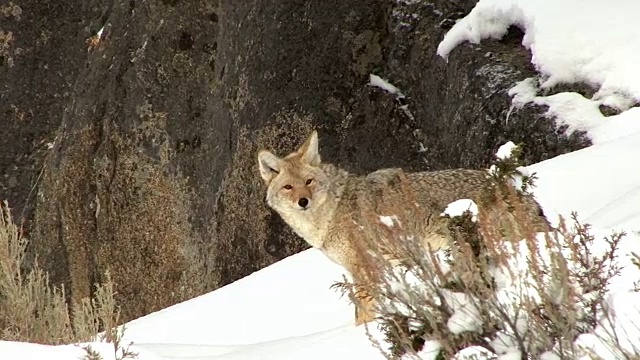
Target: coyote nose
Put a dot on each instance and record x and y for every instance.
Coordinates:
(303, 202)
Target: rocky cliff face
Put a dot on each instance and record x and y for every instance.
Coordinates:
(153, 175)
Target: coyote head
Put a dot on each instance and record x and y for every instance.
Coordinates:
(296, 183)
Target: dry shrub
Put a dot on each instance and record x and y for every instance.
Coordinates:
(525, 297)
(33, 310)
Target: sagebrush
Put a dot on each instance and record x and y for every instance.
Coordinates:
(34, 310)
(526, 297)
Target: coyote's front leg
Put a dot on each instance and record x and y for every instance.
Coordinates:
(364, 305)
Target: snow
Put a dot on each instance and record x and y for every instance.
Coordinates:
(466, 316)
(624, 321)
(549, 356)
(609, 184)
(288, 311)
(377, 81)
(430, 350)
(504, 151)
(598, 45)
(318, 308)
(578, 112)
(10, 350)
(390, 221)
(511, 355)
(459, 207)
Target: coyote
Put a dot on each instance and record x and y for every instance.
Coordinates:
(326, 205)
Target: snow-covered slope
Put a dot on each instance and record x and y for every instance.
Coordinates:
(288, 311)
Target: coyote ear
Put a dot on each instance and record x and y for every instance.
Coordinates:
(269, 165)
(309, 150)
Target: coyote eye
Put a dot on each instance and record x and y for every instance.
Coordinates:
(288, 187)
(309, 181)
